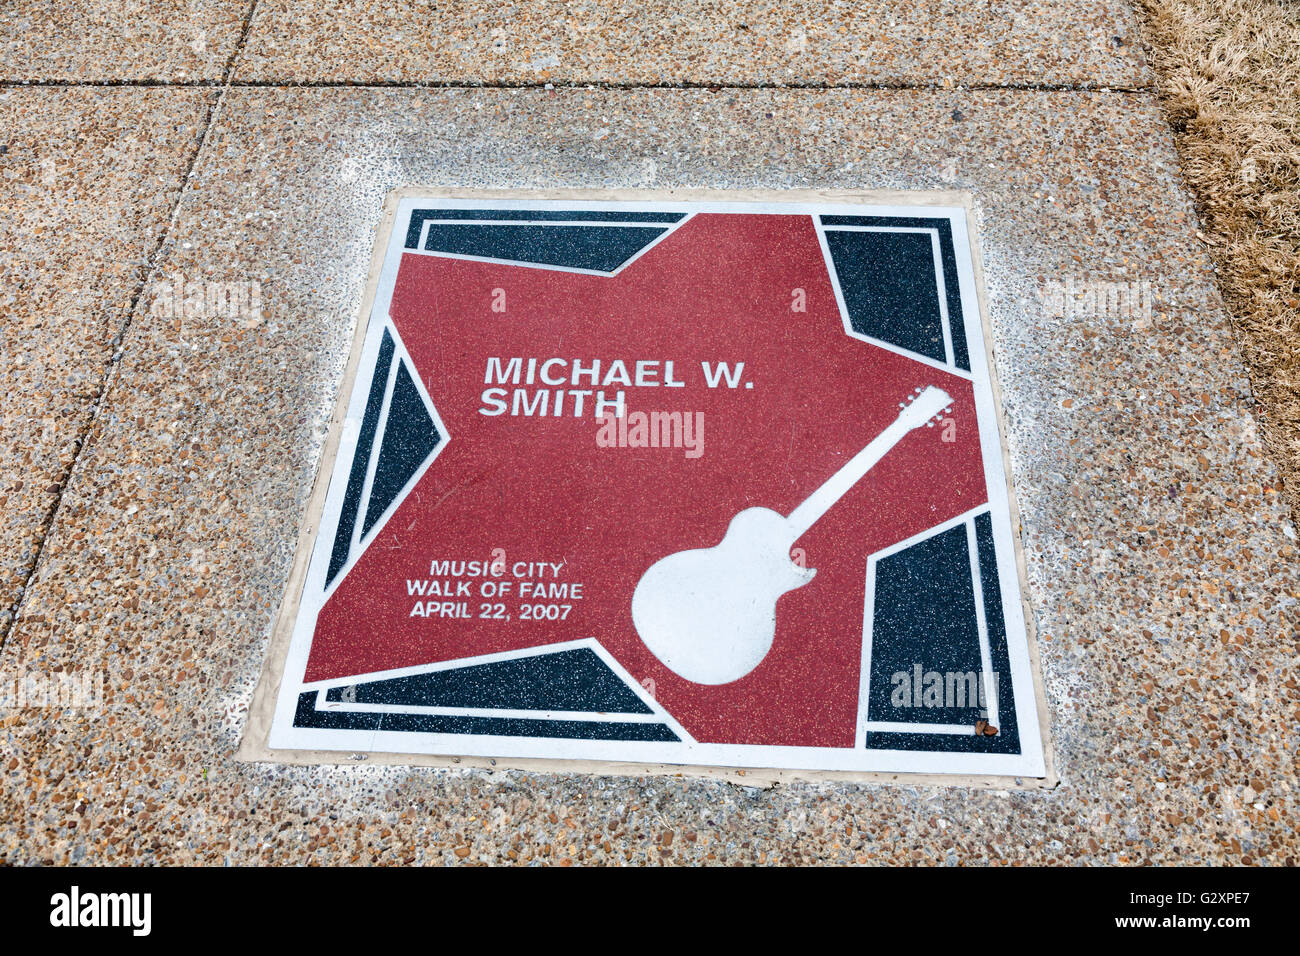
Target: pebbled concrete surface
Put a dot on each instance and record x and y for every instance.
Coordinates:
(88, 180)
(1162, 565)
(695, 42)
(119, 40)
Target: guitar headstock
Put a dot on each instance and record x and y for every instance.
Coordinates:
(924, 406)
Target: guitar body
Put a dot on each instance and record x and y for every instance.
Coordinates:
(710, 614)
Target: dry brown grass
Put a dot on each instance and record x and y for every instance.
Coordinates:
(1229, 76)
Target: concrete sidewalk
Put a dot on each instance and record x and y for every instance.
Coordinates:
(156, 470)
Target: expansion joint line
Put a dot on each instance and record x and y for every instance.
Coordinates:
(86, 430)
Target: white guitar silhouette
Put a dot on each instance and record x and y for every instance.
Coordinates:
(710, 614)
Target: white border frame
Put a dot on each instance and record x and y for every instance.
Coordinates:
(1035, 760)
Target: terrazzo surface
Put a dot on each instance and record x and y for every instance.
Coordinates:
(88, 180)
(119, 40)
(694, 42)
(1161, 563)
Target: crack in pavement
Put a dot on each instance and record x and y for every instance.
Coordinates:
(82, 438)
(713, 87)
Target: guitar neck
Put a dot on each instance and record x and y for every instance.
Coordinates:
(824, 498)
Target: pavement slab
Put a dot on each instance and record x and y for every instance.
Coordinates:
(1161, 563)
(105, 41)
(88, 180)
(695, 43)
